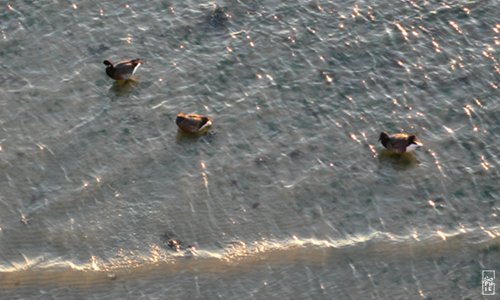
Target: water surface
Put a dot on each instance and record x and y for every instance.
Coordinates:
(290, 194)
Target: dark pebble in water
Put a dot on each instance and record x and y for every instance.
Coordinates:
(33, 198)
(295, 154)
(234, 183)
(260, 161)
(219, 16)
(255, 205)
(439, 202)
(464, 79)
(408, 211)
(438, 199)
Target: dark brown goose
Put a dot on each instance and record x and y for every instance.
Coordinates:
(399, 142)
(193, 123)
(122, 70)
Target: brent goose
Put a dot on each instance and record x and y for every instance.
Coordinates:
(399, 142)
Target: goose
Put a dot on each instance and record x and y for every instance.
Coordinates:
(399, 142)
(193, 123)
(122, 70)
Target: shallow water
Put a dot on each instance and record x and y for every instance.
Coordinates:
(290, 194)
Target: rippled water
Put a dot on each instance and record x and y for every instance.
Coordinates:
(290, 194)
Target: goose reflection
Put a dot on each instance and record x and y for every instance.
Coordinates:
(397, 161)
(123, 88)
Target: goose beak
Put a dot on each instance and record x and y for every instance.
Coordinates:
(206, 126)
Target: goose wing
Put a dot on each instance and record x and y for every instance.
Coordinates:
(125, 69)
